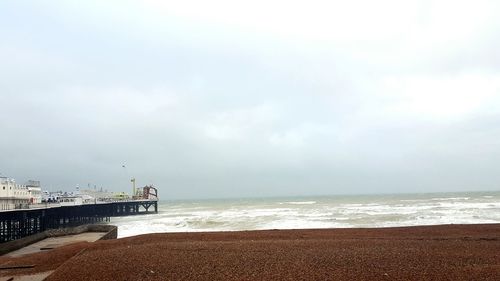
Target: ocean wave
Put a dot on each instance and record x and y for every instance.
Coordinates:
(449, 198)
(329, 213)
(301, 202)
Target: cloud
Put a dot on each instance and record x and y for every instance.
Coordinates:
(241, 124)
(442, 97)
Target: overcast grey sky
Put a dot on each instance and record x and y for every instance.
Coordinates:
(228, 98)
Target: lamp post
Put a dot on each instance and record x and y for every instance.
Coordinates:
(133, 187)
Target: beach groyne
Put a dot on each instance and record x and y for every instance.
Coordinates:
(17, 224)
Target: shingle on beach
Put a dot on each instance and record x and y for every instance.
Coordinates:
(449, 252)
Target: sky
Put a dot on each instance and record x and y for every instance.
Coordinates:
(210, 99)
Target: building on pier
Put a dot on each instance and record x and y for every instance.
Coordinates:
(18, 196)
(35, 191)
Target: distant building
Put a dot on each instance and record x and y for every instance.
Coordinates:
(95, 195)
(19, 196)
(35, 191)
(12, 195)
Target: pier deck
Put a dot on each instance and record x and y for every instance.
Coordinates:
(16, 224)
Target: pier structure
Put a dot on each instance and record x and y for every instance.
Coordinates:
(16, 224)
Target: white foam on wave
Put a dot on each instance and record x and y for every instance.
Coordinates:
(301, 202)
(413, 200)
(450, 198)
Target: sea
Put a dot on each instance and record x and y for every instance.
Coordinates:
(340, 211)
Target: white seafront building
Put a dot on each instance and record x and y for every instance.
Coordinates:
(19, 196)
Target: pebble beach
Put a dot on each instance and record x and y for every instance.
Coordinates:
(447, 252)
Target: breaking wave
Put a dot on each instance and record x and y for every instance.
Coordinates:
(324, 212)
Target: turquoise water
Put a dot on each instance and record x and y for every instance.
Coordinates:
(316, 212)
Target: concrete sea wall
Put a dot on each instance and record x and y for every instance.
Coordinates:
(110, 230)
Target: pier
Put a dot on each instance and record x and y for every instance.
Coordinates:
(16, 224)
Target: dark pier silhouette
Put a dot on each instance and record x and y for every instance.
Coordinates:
(16, 224)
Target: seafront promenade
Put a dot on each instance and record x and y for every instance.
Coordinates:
(19, 223)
